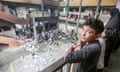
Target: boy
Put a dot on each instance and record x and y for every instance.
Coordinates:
(87, 50)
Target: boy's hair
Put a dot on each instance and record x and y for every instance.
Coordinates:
(96, 24)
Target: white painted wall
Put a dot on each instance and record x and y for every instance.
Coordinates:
(10, 33)
(118, 4)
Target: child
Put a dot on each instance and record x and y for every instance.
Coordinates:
(87, 50)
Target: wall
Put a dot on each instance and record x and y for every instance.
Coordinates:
(10, 33)
(118, 4)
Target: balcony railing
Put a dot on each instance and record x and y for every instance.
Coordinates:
(60, 66)
(12, 19)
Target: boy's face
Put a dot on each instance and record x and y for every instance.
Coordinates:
(88, 34)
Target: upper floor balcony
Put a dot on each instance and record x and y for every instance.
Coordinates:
(12, 19)
(35, 2)
(89, 3)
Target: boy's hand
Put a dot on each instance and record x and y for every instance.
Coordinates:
(78, 45)
(77, 48)
(73, 48)
(79, 42)
(69, 50)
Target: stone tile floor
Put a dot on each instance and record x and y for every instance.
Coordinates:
(114, 64)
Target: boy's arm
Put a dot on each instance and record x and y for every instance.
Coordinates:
(73, 48)
(75, 56)
(69, 50)
(82, 54)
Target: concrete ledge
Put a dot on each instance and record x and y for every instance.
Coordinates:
(10, 42)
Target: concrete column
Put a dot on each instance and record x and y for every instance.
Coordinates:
(6, 9)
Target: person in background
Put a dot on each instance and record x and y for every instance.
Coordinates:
(92, 14)
(75, 17)
(29, 17)
(111, 33)
(87, 50)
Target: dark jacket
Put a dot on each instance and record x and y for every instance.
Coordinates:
(113, 23)
(87, 57)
